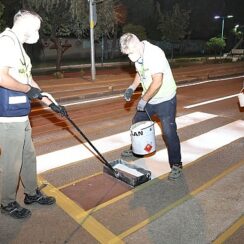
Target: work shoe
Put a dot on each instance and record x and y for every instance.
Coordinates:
(39, 198)
(14, 210)
(176, 172)
(127, 153)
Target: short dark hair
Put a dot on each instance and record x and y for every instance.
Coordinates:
(23, 12)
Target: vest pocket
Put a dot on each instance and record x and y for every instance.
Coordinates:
(13, 103)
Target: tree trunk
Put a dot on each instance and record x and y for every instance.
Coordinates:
(105, 47)
(172, 51)
(58, 46)
(59, 58)
(114, 42)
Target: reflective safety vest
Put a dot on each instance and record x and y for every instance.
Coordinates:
(13, 103)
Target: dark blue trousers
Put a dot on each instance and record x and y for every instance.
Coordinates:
(166, 112)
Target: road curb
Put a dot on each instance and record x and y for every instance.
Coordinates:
(104, 93)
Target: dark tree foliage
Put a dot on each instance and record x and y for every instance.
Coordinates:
(10, 9)
(2, 22)
(235, 7)
(143, 12)
(202, 23)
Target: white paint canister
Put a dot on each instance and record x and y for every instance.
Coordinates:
(143, 137)
(241, 97)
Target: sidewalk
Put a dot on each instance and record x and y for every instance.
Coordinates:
(114, 80)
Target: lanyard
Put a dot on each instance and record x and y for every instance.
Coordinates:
(21, 49)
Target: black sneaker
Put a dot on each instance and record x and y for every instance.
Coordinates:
(39, 198)
(14, 210)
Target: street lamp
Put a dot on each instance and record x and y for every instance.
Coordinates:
(223, 22)
(93, 21)
(240, 27)
(236, 26)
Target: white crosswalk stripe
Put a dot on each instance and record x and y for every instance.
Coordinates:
(194, 148)
(157, 164)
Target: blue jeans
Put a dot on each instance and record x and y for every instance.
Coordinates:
(166, 112)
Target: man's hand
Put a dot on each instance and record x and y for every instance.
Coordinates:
(141, 105)
(59, 109)
(34, 93)
(128, 94)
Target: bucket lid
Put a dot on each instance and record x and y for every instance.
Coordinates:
(142, 125)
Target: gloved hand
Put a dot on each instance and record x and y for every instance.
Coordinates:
(141, 105)
(59, 109)
(34, 93)
(128, 94)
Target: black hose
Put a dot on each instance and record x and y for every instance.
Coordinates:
(104, 161)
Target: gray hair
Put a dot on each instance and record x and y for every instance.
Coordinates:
(26, 13)
(127, 41)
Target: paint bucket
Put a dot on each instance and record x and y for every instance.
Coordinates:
(241, 97)
(143, 137)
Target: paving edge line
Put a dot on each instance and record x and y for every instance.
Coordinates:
(145, 185)
(178, 202)
(230, 231)
(132, 191)
(79, 180)
(121, 91)
(99, 231)
(84, 219)
(178, 83)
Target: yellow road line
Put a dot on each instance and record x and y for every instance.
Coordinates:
(98, 231)
(178, 202)
(230, 231)
(79, 180)
(137, 189)
(128, 193)
(90, 224)
(144, 186)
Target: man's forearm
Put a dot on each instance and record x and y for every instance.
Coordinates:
(8, 82)
(153, 88)
(136, 82)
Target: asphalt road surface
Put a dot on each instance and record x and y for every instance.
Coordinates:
(204, 206)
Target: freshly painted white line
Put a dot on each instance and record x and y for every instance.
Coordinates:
(121, 95)
(194, 148)
(125, 168)
(76, 153)
(84, 102)
(208, 81)
(211, 101)
(94, 100)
